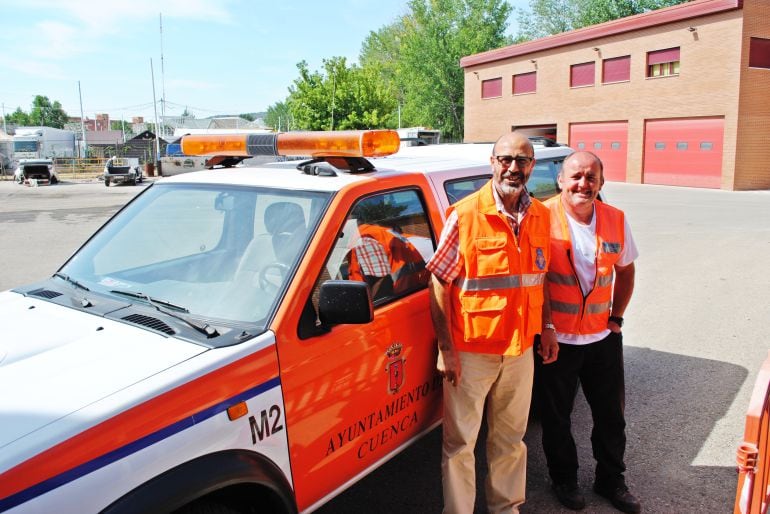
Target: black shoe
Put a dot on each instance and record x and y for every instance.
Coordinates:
(570, 496)
(620, 498)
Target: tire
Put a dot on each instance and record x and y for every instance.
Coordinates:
(106, 182)
(54, 180)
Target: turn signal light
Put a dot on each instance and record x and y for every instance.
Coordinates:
(347, 143)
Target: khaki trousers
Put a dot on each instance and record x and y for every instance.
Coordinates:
(506, 384)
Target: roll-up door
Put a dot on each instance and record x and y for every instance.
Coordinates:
(684, 152)
(608, 140)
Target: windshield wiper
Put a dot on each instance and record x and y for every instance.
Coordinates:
(71, 280)
(205, 329)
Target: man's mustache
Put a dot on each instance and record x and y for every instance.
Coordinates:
(515, 174)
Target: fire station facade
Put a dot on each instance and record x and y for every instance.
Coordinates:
(676, 96)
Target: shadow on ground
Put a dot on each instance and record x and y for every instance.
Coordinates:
(673, 402)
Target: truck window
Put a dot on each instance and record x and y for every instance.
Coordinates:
(458, 189)
(385, 242)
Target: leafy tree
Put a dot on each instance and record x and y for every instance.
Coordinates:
(381, 53)
(547, 17)
(341, 97)
(247, 116)
(278, 117)
(123, 126)
(45, 113)
(19, 118)
(436, 35)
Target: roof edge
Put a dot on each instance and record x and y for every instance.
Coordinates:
(638, 21)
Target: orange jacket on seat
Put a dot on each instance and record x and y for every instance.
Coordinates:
(572, 312)
(498, 298)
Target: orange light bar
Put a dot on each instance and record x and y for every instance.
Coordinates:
(348, 143)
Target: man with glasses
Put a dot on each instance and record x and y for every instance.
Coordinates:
(590, 281)
(487, 304)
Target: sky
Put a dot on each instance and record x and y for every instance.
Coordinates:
(212, 57)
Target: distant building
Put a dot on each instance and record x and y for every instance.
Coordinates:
(675, 96)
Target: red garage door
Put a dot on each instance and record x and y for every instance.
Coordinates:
(608, 140)
(684, 152)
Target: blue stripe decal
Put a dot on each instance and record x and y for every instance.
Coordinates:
(132, 447)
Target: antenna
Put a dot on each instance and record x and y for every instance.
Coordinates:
(162, 75)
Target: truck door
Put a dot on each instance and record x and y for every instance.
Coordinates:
(354, 394)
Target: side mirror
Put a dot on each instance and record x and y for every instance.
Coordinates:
(345, 302)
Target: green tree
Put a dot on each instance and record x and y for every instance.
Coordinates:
(123, 126)
(381, 54)
(45, 113)
(341, 97)
(278, 117)
(19, 118)
(547, 17)
(436, 35)
(247, 116)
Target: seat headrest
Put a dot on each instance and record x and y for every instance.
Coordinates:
(284, 217)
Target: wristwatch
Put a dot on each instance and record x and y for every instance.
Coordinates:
(617, 319)
(549, 325)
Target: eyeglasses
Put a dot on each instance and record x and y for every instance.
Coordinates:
(522, 161)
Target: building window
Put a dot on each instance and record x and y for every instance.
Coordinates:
(706, 146)
(525, 83)
(759, 53)
(616, 145)
(492, 88)
(663, 63)
(617, 69)
(681, 146)
(581, 75)
(660, 146)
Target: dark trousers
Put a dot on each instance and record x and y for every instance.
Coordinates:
(599, 369)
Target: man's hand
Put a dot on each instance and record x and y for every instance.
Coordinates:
(549, 346)
(448, 366)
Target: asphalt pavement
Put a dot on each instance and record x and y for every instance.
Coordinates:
(694, 341)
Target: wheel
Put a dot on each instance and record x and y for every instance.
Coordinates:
(106, 182)
(54, 180)
(272, 281)
(133, 181)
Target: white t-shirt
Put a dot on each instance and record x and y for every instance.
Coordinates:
(584, 257)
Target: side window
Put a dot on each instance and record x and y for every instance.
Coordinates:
(542, 183)
(385, 241)
(460, 188)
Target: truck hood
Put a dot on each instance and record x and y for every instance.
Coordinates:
(55, 361)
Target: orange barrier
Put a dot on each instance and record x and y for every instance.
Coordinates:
(753, 459)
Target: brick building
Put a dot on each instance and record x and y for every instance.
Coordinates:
(677, 96)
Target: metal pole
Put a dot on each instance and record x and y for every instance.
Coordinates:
(334, 90)
(82, 123)
(162, 75)
(5, 128)
(155, 107)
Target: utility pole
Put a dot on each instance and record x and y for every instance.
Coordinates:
(82, 123)
(155, 107)
(334, 91)
(5, 127)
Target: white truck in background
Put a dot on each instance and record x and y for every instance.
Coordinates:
(42, 143)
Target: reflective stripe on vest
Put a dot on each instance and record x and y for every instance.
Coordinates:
(505, 282)
(561, 278)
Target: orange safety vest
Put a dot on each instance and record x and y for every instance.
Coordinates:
(407, 266)
(497, 300)
(572, 312)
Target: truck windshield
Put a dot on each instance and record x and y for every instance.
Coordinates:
(217, 252)
(25, 146)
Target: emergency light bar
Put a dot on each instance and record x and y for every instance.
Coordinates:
(345, 143)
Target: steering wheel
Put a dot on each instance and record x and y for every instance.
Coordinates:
(267, 281)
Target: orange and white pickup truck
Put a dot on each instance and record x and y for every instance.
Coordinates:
(235, 340)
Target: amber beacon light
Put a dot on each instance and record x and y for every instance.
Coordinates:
(346, 143)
